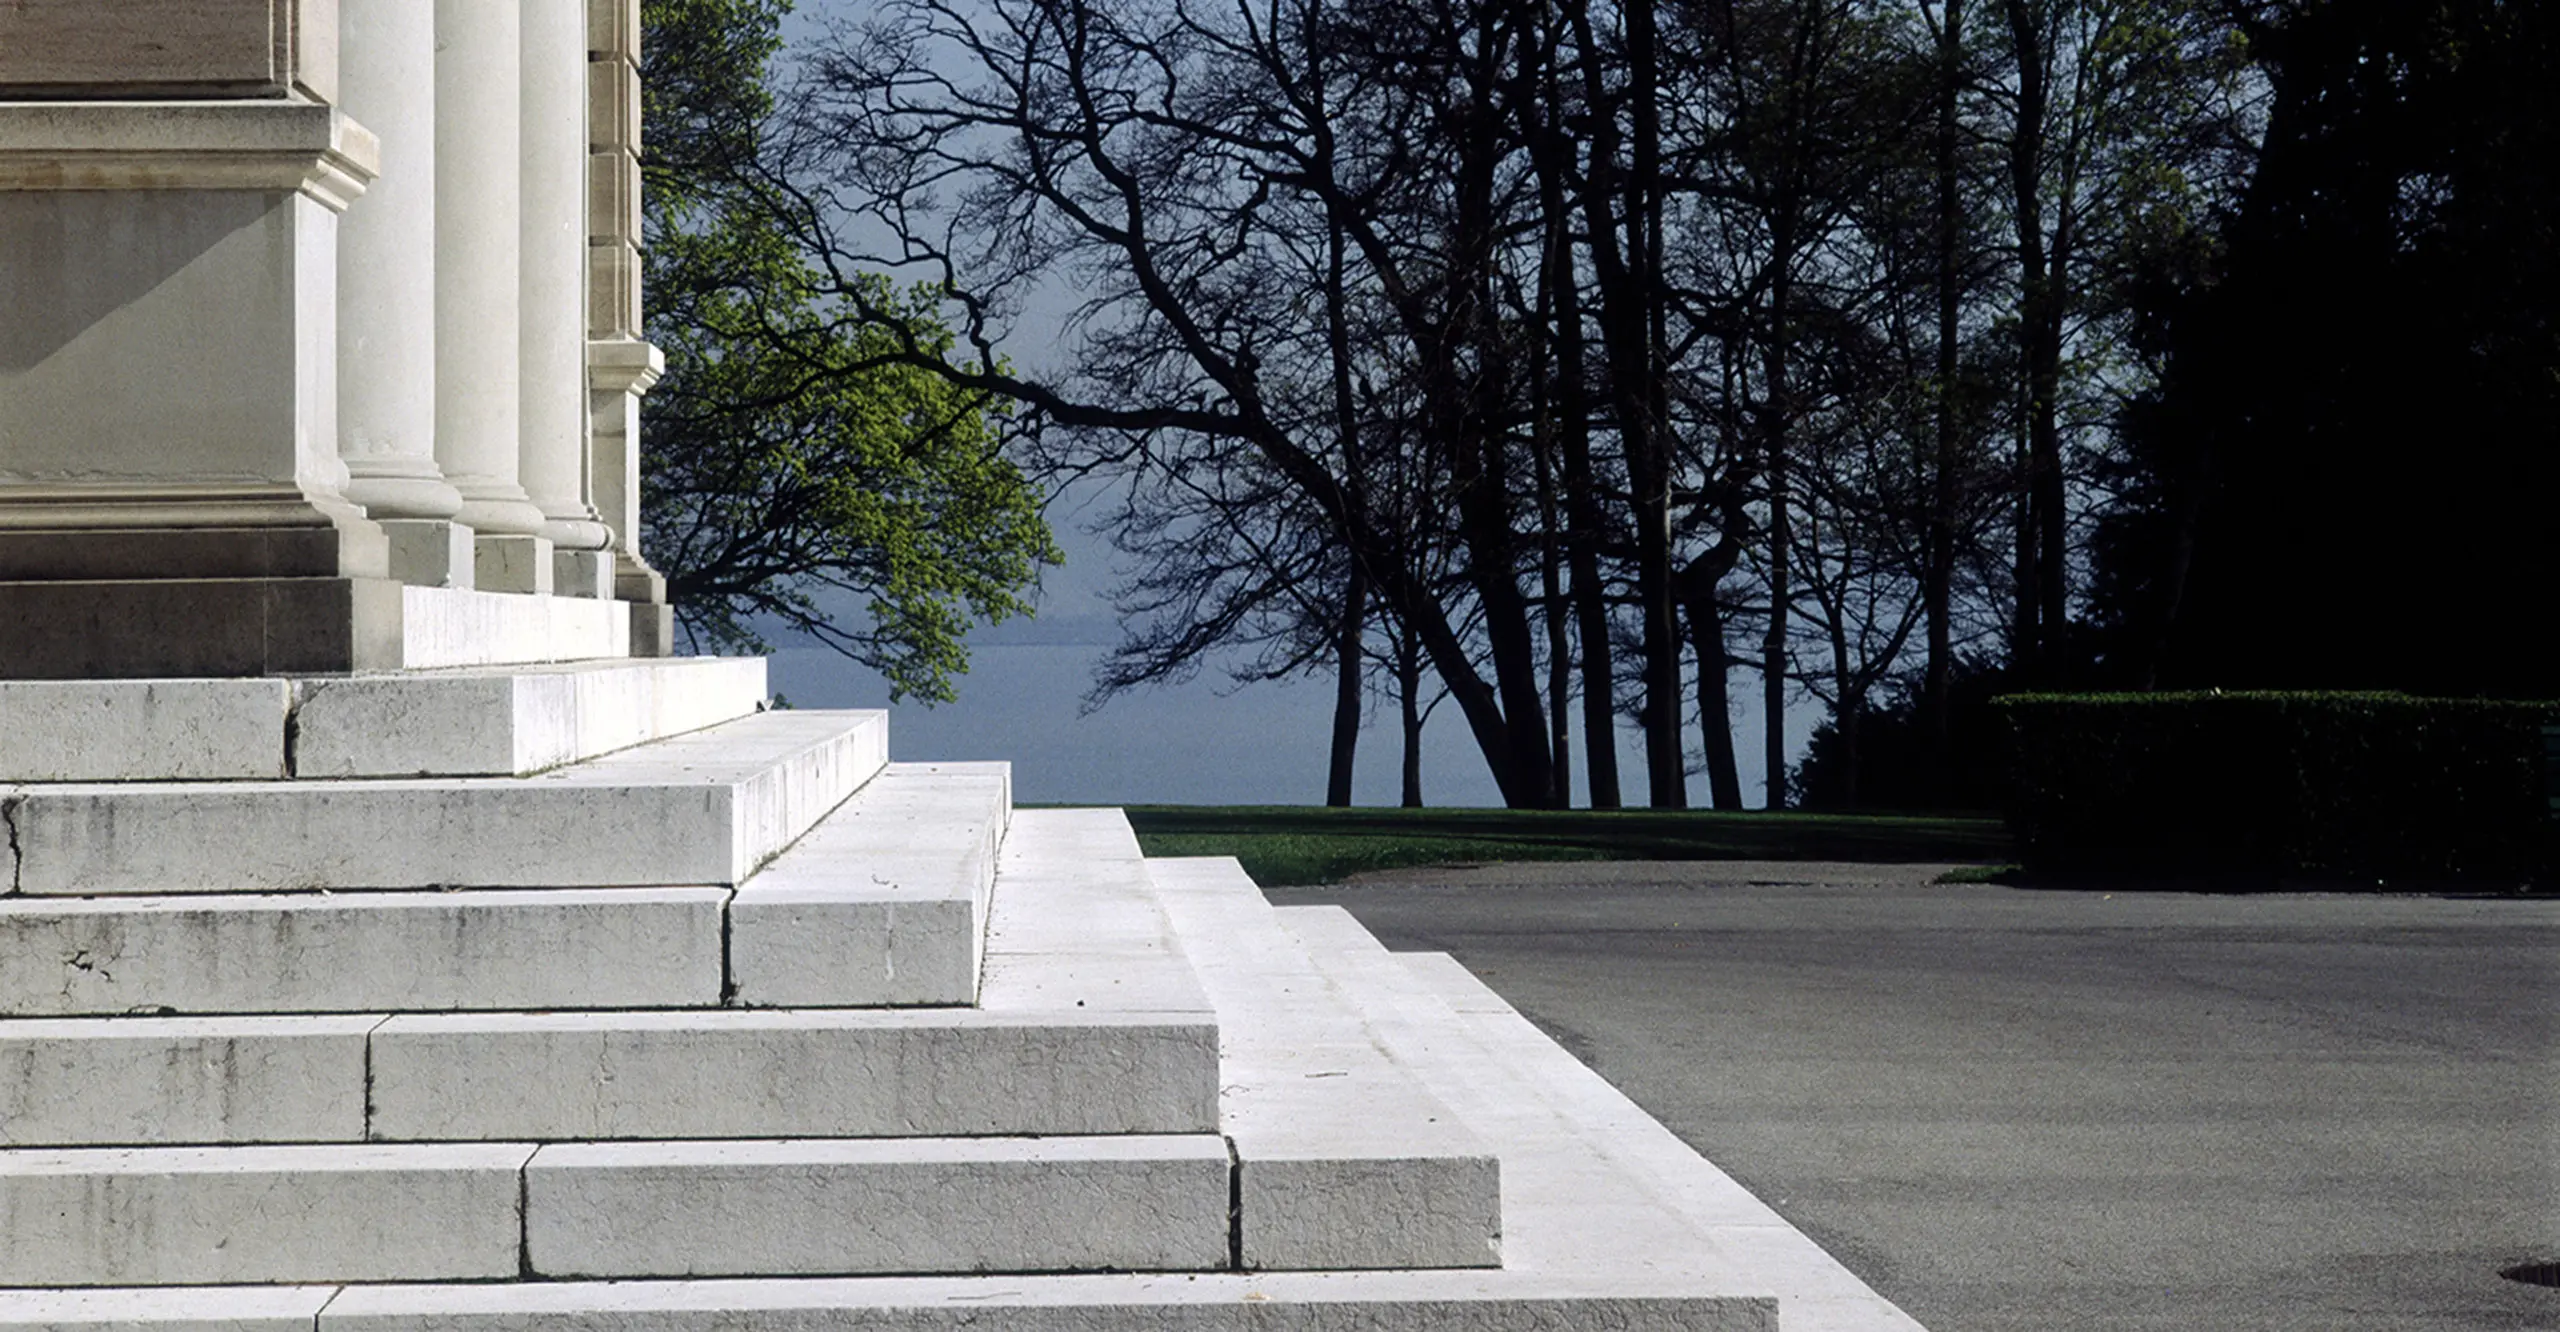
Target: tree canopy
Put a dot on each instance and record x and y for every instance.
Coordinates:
(802, 472)
(1576, 357)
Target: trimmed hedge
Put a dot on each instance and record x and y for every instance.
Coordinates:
(2320, 785)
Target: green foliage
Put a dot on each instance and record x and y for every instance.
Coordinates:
(796, 460)
(2249, 785)
(1291, 844)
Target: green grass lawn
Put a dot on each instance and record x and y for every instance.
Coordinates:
(1300, 844)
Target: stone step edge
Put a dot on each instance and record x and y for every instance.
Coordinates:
(416, 1078)
(1346, 1160)
(1205, 1302)
(768, 777)
(1455, 1031)
(885, 900)
(524, 1211)
(812, 930)
(453, 722)
(508, 721)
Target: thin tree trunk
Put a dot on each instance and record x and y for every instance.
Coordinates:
(1355, 609)
(1938, 593)
(1704, 612)
(1614, 213)
(1409, 707)
(1550, 150)
(1773, 646)
(1346, 689)
(1550, 565)
(1666, 758)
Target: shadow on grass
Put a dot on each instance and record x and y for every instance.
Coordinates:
(1297, 844)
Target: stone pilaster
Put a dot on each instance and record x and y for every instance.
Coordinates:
(621, 365)
(553, 408)
(387, 297)
(479, 218)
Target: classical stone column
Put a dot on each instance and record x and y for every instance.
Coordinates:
(620, 365)
(479, 196)
(387, 296)
(552, 312)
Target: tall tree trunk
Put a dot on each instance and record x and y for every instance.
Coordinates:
(1409, 711)
(1938, 592)
(2040, 332)
(1845, 722)
(1613, 209)
(1551, 151)
(1355, 609)
(1346, 688)
(1666, 758)
(1470, 409)
(1703, 609)
(1551, 539)
(1773, 645)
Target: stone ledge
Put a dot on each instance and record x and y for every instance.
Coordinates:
(304, 147)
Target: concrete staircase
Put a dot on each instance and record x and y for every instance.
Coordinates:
(589, 997)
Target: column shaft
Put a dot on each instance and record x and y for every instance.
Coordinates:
(552, 409)
(479, 197)
(387, 296)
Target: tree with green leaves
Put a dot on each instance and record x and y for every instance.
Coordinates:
(802, 475)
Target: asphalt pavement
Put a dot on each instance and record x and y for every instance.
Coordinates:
(2031, 1109)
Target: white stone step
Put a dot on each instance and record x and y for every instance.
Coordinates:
(884, 901)
(209, 1216)
(1133, 1302)
(900, 1205)
(508, 721)
(560, 1077)
(122, 730)
(1075, 924)
(1591, 1181)
(703, 808)
(477, 721)
(1344, 1160)
(362, 952)
(791, 1073)
(151, 1081)
(1090, 1021)
(445, 626)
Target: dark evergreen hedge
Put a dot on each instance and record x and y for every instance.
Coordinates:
(2303, 785)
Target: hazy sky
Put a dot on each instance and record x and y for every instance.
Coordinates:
(1206, 742)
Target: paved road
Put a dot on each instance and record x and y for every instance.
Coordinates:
(2018, 1110)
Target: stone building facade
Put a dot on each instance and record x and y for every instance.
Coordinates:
(319, 336)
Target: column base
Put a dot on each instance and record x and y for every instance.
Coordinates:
(430, 552)
(582, 573)
(107, 553)
(198, 627)
(508, 563)
(653, 629)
